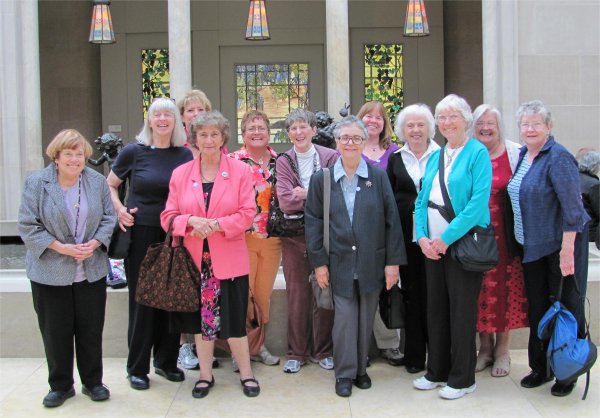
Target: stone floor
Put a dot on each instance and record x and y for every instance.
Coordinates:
(310, 393)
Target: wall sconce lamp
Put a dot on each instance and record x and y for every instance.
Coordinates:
(257, 28)
(101, 28)
(416, 19)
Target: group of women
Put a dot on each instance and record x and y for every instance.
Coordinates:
(387, 228)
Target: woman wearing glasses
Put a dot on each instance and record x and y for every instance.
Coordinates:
(550, 224)
(452, 291)
(366, 249)
(264, 251)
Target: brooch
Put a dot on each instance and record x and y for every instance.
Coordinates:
(368, 183)
(225, 174)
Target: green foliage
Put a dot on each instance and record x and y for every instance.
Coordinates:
(155, 76)
(383, 76)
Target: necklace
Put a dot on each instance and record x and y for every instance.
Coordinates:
(449, 156)
(206, 179)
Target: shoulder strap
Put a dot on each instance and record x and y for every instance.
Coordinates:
(292, 164)
(445, 196)
(326, 203)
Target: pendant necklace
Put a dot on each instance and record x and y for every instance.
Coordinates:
(449, 156)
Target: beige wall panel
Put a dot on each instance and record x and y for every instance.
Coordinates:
(590, 80)
(576, 126)
(552, 79)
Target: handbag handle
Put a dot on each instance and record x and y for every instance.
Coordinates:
(169, 238)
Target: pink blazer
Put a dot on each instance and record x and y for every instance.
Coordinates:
(231, 203)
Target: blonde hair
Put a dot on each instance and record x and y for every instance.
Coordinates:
(194, 96)
(385, 137)
(68, 139)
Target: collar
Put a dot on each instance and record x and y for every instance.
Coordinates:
(433, 146)
(243, 153)
(545, 148)
(339, 172)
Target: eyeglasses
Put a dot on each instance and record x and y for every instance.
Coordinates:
(68, 155)
(356, 139)
(451, 118)
(535, 125)
(485, 124)
(260, 129)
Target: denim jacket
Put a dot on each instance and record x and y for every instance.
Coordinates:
(550, 200)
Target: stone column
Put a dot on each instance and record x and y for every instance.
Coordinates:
(20, 105)
(180, 47)
(338, 55)
(500, 26)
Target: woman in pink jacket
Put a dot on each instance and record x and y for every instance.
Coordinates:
(212, 202)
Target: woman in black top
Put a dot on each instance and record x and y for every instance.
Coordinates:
(148, 164)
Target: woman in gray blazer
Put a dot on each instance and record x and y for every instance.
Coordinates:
(66, 221)
(366, 249)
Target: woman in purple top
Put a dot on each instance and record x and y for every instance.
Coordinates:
(377, 151)
(379, 145)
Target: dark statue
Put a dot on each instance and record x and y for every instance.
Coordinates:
(325, 127)
(110, 145)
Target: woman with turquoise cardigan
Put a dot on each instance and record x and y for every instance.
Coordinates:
(452, 291)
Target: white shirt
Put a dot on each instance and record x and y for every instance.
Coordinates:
(308, 163)
(415, 166)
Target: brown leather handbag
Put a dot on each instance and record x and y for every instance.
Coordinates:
(169, 279)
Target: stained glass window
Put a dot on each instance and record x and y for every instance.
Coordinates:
(155, 75)
(275, 89)
(383, 76)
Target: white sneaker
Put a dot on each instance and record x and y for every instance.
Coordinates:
(423, 384)
(326, 363)
(187, 358)
(265, 357)
(293, 366)
(448, 392)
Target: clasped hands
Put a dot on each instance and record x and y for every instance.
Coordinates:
(79, 252)
(432, 248)
(203, 227)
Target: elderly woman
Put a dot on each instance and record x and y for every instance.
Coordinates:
(589, 166)
(415, 127)
(293, 177)
(377, 150)
(365, 252)
(502, 301)
(211, 204)
(191, 105)
(148, 165)
(66, 220)
(550, 224)
(264, 251)
(452, 291)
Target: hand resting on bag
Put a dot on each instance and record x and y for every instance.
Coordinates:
(392, 276)
(322, 275)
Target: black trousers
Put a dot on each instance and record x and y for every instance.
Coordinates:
(452, 294)
(67, 313)
(542, 279)
(148, 327)
(415, 288)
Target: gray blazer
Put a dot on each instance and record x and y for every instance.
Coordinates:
(42, 221)
(361, 249)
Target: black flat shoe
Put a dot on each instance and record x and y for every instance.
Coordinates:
(56, 398)
(562, 389)
(414, 369)
(535, 379)
(362, 382)
(343, 387)
(201, 392)
(138, 382)
(174, 375)
(250, 391)
(97, 393)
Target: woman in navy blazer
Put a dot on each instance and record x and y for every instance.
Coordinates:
(66, 220)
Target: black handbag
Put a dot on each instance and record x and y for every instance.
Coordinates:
(323, 297)
(392, 307)
(121, 240)
(477, 249)
(169, 279)
(280, 224)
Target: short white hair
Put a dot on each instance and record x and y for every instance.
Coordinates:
(480, 111)
(417, 109)
(163, 104)
(457, 103)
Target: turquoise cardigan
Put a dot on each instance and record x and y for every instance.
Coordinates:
(469, 187)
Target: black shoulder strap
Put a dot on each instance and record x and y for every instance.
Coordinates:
(445, 196)
(292, 164)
